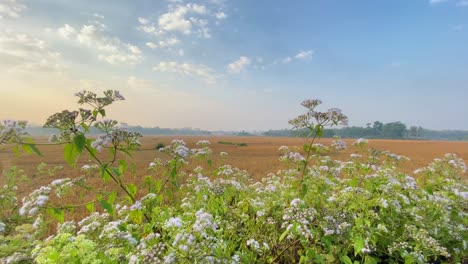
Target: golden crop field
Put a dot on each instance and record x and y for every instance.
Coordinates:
(259, 157)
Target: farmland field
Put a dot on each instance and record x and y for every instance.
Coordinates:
(259, 157)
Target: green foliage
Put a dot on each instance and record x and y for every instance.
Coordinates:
(233, 143)
(160, 145)
(319, 210)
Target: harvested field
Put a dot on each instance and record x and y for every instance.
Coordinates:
(258, 157)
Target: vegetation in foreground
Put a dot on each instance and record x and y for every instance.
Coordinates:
(319, 210)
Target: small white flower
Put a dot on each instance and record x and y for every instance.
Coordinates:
(174, 222)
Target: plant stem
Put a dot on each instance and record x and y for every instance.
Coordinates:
(116, 180)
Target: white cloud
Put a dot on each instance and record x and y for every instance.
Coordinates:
(109, 48)
(301, 55)
(24, 53)
(176, 20)
(138, 84)
(66, 31)
(436, 1)
(99, 16)
(11, 8)
(462, 3)
(221, 15)
(143, 20)
(304, 54)
(181, 52)
(169, 42)
(183, 20)
(200, 71)
(287, 60)
(151, 45)
(238, 65)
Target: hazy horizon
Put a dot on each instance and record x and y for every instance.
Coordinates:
(238, 65)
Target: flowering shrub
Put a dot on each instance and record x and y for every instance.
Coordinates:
(319, 210)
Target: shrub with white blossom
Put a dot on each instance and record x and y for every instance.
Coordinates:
(319, 210)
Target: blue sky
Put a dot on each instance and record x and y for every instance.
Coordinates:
(233, 65)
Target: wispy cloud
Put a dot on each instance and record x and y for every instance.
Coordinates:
(11, 8)
(96, 38)
(238, 65)
(181, 21)
(301, 55)
(460, 3)
(185, 19)
(437, 1)
(24, 53)
(200, 71)
(163, 43)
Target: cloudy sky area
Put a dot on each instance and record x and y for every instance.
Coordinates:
(233, 65)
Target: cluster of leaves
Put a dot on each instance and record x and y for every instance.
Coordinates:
(320, 210)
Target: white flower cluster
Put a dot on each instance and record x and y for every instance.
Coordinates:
(203, 143)
(12, 130)
(292, 157)
(37, 199)
(2, 227)
(299, 217)
(361, 142)
(102, 141)
(339, 144)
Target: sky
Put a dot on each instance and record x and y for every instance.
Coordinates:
(238, 64)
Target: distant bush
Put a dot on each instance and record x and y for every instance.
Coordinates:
(233, 143)
(159, 146)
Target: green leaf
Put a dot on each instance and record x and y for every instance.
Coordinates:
(123, 166)
(31, 148)
(71, 154)
(346, 260)
(102, 112)
(112, 196)
(80, 141)
(90, 207)
(85, 127)
(104, 173)
(318, 130)
(57, 213)
(370, 260)
(116, 171)
(136, 216)
(283, 235)
(107, 206)
(358, 245)
(210, 163)
(132, 189)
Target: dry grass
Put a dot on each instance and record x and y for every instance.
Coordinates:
(259, 158)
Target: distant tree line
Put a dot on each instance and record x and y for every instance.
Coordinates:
(377, 129)
(143, 130)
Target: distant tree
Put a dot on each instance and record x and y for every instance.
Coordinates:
(378, 128)
(396, 130)
(413, 131)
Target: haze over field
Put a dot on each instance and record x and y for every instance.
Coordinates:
(219, 64)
